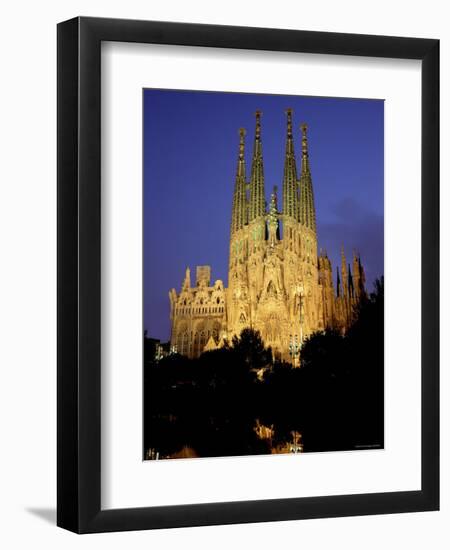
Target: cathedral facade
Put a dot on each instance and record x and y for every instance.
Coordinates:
(278, 283)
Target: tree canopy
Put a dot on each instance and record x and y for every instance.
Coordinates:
(213, 405)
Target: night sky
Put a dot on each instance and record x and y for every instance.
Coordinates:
(190, 156)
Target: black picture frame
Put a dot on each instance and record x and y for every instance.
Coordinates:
(79, 276)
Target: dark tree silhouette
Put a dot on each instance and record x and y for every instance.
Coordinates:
(342, 384)
(250, 347)
(213, 404)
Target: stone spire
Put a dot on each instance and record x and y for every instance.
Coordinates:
(187, 279)
(358, 275)
(362, 275)
(239, 214)
(257, 193)
(290, 192)
(273, 218)
(307, 210)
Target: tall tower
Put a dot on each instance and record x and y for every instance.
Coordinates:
(290, 192)
(256, 231)
(239, 213)
(257, 196)
(238, 314)
(358, 275)
(307, 210)
(326, 281)
(313, 318)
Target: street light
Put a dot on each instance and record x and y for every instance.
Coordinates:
(294, 349)
(297, 445)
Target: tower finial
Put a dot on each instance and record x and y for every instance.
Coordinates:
(304, 128)
(273, 208)
(289, 112)
(273, 218)
(258, 114)
(305, 160)
(242, 133)
(187, 279)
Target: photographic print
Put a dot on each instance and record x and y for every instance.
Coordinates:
(263, 274)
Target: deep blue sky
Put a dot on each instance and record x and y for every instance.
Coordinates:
(190, 155)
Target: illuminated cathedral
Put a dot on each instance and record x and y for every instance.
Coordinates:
(278, 283)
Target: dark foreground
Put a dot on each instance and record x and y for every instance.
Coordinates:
(236, 401)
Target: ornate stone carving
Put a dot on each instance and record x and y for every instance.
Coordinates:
(277, 284)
